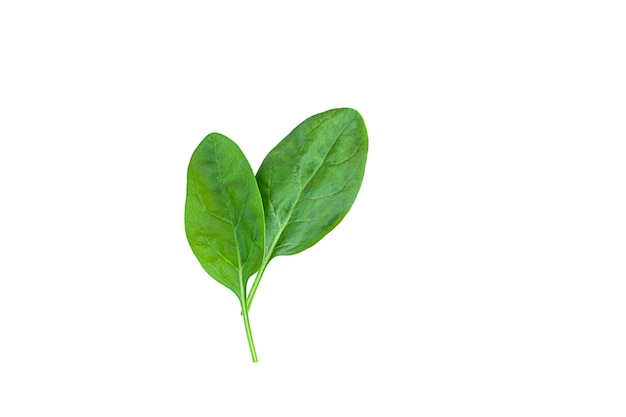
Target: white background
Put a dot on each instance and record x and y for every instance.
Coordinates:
(481, 271)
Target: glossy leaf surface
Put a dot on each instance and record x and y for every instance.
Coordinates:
(224, 219)
(309, 181)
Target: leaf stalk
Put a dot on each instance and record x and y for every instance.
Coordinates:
(246, 322)
(257, 280)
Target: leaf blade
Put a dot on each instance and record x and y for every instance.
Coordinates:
(310, 180)
(224, 220)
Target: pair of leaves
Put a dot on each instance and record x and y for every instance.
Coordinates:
(236, 223)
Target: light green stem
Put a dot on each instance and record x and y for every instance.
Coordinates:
(256, 282)
(246, 322)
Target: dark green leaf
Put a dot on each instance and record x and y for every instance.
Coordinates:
(309, 181)
(223, 213)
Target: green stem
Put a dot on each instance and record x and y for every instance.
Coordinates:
(246, 322)
(256, 282)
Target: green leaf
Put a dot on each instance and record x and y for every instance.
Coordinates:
(223, 212)
(224, 216)
(309, 181)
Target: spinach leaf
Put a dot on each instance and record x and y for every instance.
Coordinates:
(224, 219)
(309, 181)
(236, 223)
